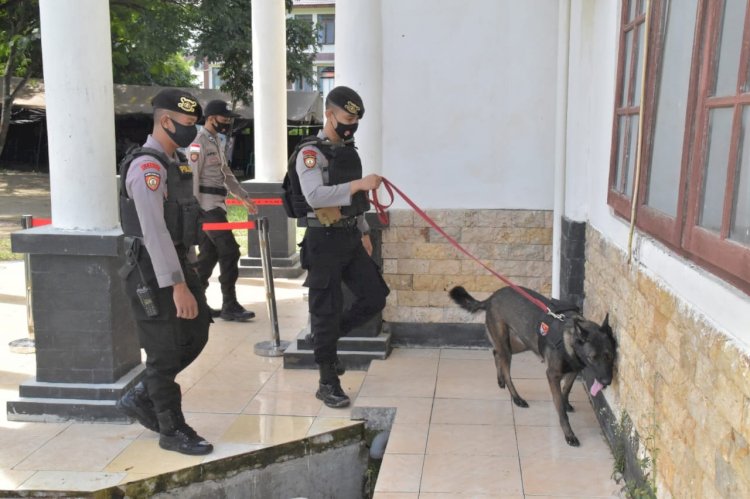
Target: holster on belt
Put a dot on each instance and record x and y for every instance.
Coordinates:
(132, 251)
(328, 215)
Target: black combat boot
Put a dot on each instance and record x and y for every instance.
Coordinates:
(329, 389)
(176, 435)
(233, 311)
(137, 405)
(310, 339)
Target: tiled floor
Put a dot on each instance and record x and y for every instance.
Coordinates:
(455, 435)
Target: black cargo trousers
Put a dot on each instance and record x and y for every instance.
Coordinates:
(171, 343)
(333, 256)
(218, 246)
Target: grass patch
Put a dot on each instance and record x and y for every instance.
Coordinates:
(5, 253)
(239, 214)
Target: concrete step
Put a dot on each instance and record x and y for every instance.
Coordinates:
(299, 355)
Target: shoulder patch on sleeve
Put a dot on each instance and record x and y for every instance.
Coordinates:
(310, 157)
(152, 179)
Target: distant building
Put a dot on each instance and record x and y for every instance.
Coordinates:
(321, 13)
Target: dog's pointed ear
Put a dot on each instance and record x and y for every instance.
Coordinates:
(605, 327)
(581, 333)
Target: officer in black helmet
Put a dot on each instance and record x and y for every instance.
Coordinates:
(159, 217)
(337, 247)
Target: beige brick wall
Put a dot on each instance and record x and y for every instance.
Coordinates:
(681, 380)
(420, 265)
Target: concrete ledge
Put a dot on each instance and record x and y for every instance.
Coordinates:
(437, 335)
(331, 464)
(47, 240)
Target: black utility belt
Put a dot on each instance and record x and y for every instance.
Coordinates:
(219, 191)
(344, 223)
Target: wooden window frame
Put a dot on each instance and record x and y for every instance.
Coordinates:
(617, 200)
(715, 252)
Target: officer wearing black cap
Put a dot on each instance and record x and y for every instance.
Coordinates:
(337, 247)
(159, 217)
(212, 180)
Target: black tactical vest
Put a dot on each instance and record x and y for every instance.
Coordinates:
(344, 166)
(181, 209)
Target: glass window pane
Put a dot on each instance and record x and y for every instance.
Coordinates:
(622, 127)
(626, 70)
(640, 29)
(740, 228)
(715, 170)
(672, 94)
(730, 45)
(630, 160)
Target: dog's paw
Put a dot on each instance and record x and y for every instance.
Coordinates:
(501, 383)
(520, 402)
(573, 441)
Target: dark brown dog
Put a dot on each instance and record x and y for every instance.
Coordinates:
(514, 324)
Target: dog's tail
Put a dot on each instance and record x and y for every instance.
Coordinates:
(465, 300)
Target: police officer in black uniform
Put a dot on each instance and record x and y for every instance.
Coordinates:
(337, 247)
(159, 217)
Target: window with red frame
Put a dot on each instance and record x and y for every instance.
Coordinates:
(694, 186)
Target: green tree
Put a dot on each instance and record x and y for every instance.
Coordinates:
(20, 53)
(225, 37)
(148, 40)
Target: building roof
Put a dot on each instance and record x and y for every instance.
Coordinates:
(302, 107)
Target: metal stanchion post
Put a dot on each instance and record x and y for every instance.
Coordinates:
(26, 345)
(275, 347)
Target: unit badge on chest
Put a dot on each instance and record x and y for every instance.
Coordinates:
(194, 152)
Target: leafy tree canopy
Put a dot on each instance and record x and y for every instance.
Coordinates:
(225, 37)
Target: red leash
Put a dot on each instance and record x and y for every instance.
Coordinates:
(383, 217)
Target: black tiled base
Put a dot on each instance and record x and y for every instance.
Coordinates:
(286, 268)
(51, 402)
(355, 353)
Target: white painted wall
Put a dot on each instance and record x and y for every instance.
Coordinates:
(594, 28)
(469, 101)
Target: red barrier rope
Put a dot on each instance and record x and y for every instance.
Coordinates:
(383, 216)
(229, 225)
(38, 222)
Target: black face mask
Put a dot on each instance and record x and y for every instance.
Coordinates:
(345, 131)
(222, 127)
(183, 134)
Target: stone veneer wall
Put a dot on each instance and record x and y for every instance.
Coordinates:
(420, 265)
(684, 384)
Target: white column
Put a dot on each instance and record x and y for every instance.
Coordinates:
(561, 137)
(77, 57)
(269, 89)
(359, 62)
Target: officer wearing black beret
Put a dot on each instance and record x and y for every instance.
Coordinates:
(212, 181)
(337, 247)
(159, 217)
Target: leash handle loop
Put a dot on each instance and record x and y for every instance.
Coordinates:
(379, 207)
(384, 218)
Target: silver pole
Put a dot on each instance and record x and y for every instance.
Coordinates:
(275, 347)
(26, 345)
(28, 223)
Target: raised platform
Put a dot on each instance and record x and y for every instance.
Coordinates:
(355, 353)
